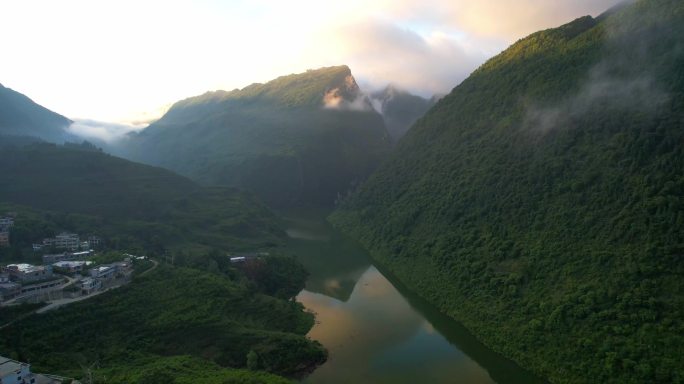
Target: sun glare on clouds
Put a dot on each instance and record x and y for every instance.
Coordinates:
(124, 61)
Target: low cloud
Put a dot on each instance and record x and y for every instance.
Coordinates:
(638, 94)
(431, 46)
(425, 46)
(502, 19)
(100, 131)
(622, 81)
(334, 99)
(380, 53)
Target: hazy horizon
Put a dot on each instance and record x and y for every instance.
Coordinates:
(124, 63)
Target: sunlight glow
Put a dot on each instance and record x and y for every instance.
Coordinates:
(128, 61)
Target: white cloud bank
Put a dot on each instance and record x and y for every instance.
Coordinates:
(100, 131)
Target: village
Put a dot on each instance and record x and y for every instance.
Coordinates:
(72, 268)
(70, 271)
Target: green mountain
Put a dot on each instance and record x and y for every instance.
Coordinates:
(301, 138)
(541, 203)
(400, 109)
(79, 188)
(20, 116)
(173, 325)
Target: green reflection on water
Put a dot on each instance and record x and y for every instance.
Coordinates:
(375, 329)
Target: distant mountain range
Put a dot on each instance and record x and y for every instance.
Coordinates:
(541, 202)
(299, 139)
(20, 116)
(400, 109)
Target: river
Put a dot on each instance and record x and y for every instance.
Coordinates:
(376, 330)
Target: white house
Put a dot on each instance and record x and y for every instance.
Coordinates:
(53, 258)
(6, 222)
(70, 266)
(14, 372)
(90, 285)
(27, 273)
(103, 272)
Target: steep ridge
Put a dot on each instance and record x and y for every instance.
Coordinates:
(400, 109)
(541, 202)
(20, 116)
(299, 138)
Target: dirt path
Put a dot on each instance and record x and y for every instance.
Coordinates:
(156, 264)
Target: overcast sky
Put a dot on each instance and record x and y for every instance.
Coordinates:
(125, 61)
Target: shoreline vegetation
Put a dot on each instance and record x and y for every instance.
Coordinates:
(549, 222)
(230, 324)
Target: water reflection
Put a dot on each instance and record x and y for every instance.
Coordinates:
(377, 337)
(335, 264)
(375, 329)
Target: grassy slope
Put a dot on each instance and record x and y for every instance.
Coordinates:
(275, 139)
(541, 202)
(126, 333)
(90, 192)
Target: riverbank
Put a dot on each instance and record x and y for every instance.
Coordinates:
(374, 328)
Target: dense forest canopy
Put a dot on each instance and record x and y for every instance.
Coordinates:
(542, 201)
(299, 139)
(79, 189)
(174, 325)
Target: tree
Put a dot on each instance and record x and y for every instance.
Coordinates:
(252, 360)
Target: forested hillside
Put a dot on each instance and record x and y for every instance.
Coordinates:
(175, 325)
(541, 203)
(78, 188)
(301, 138)
(20, 116)
(400, 109)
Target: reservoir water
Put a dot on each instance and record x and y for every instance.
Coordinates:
(375, 330)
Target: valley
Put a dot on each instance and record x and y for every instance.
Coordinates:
(494, 194)
(367, 320)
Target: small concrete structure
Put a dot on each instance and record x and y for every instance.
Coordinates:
(9, 291)
(14, 372)
(4, 239)
(90, 285)
(6, 222)
(70, 266)
(64, 240)
(41, 287)
(104, 272)
(26, 273)
(66, 256)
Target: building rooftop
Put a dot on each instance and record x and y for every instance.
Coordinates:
(9, 366)
(66, 235)
(26, 268)
(68, 264)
